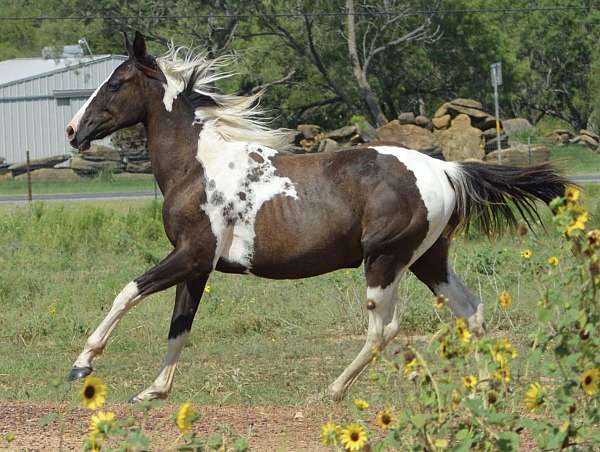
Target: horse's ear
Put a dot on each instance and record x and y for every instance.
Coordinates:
(128, 45)
(139, 47)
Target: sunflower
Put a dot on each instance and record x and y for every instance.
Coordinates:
(361, 404)
(93, 393)
(589, 381)
(463, 332)
(572, 194)
(534, 397)
(385, 419)
(503, 374)
(502, 351)
(186, 415)
(410, 367)
(207, 288)
(354, 437)
(102, 423)
(440, 302)
(470, 381)
(505, 300)
(553, 261)
(445, 348)
(526, 253)
(330, 433)
(594, 238)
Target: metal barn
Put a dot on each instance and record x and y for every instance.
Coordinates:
(39, 96)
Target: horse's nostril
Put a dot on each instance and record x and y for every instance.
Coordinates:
(70, 132)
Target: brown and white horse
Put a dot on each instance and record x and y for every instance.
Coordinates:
(233, 203)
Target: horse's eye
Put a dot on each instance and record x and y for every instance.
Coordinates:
(114, 86)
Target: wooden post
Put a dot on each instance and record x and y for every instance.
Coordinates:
(29, 197)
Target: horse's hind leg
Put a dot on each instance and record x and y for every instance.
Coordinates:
(187, 299)
(433, 269)
(383, 274)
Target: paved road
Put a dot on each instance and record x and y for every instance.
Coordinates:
(80, 197)
(149, 194)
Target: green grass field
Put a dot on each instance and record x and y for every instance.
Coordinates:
(254, 341)
(112, 183)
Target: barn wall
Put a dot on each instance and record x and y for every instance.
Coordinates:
(32, 118)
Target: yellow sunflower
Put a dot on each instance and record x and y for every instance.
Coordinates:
(572, 194)
(463, 332)
(526, 253)
(354, 437)
(207, 288)
(440, 302)
(330, 433)
(410, 367)
(361, 404)
(93, 393)
(590, 380)
(102, 423)
(553, 261)
(503, 374)
(385, 419)
(186, 415)
(534, 397)
(470, 382)
(502, 351)
(505, 300)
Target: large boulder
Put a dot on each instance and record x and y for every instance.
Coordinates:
(309, 130)
(342, 134)
(406, 117)
(520, 155)
(424, 121)
(328, 145)
(461, 141)
(467, 107)
(409, 136)
(560, 136)
(441, 122)
(98, 153)
(131, 143)
(45, 174)
(144, 167)
(590, 134)
(89, 167)
(48, 162)
(585, 140)
(516, 125)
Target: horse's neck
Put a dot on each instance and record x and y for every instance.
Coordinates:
(172, 142)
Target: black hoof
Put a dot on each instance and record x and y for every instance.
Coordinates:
(79, 372)
(133, 400)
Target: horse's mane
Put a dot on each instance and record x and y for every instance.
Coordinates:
(232, 118)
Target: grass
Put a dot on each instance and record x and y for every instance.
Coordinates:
(576, 160)
(254, 341)
(114, 183)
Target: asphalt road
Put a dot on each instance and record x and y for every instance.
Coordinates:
(595, 179)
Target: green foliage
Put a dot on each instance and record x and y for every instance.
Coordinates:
(466, 394)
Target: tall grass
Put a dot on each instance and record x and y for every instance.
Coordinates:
(254, 341)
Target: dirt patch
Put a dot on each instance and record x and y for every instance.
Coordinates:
(268, 428)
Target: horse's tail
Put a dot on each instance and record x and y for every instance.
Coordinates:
(490, 194)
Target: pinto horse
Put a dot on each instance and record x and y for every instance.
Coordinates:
(235, 204)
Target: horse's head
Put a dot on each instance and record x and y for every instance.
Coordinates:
(119, 101)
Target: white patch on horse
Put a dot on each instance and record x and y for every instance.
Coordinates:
(74, 123)
(239, 179)
(433, 185)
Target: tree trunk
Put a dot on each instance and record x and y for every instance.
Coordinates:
(368, 95)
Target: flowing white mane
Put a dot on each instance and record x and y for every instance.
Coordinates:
(233, 118)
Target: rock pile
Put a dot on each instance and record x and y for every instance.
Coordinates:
(585, 138)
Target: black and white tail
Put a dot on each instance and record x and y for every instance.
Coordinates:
(490, 194)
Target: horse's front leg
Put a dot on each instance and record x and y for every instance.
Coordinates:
(187, 299)
(182, 264)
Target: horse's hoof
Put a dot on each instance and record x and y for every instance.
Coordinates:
(133, 400)
(78, 373)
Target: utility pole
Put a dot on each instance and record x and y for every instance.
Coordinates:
(496, 70)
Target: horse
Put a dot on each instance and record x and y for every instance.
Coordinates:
(235, 202)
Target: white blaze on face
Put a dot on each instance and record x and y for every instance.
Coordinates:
(74, 123)
(240, 178)
(433, 185)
